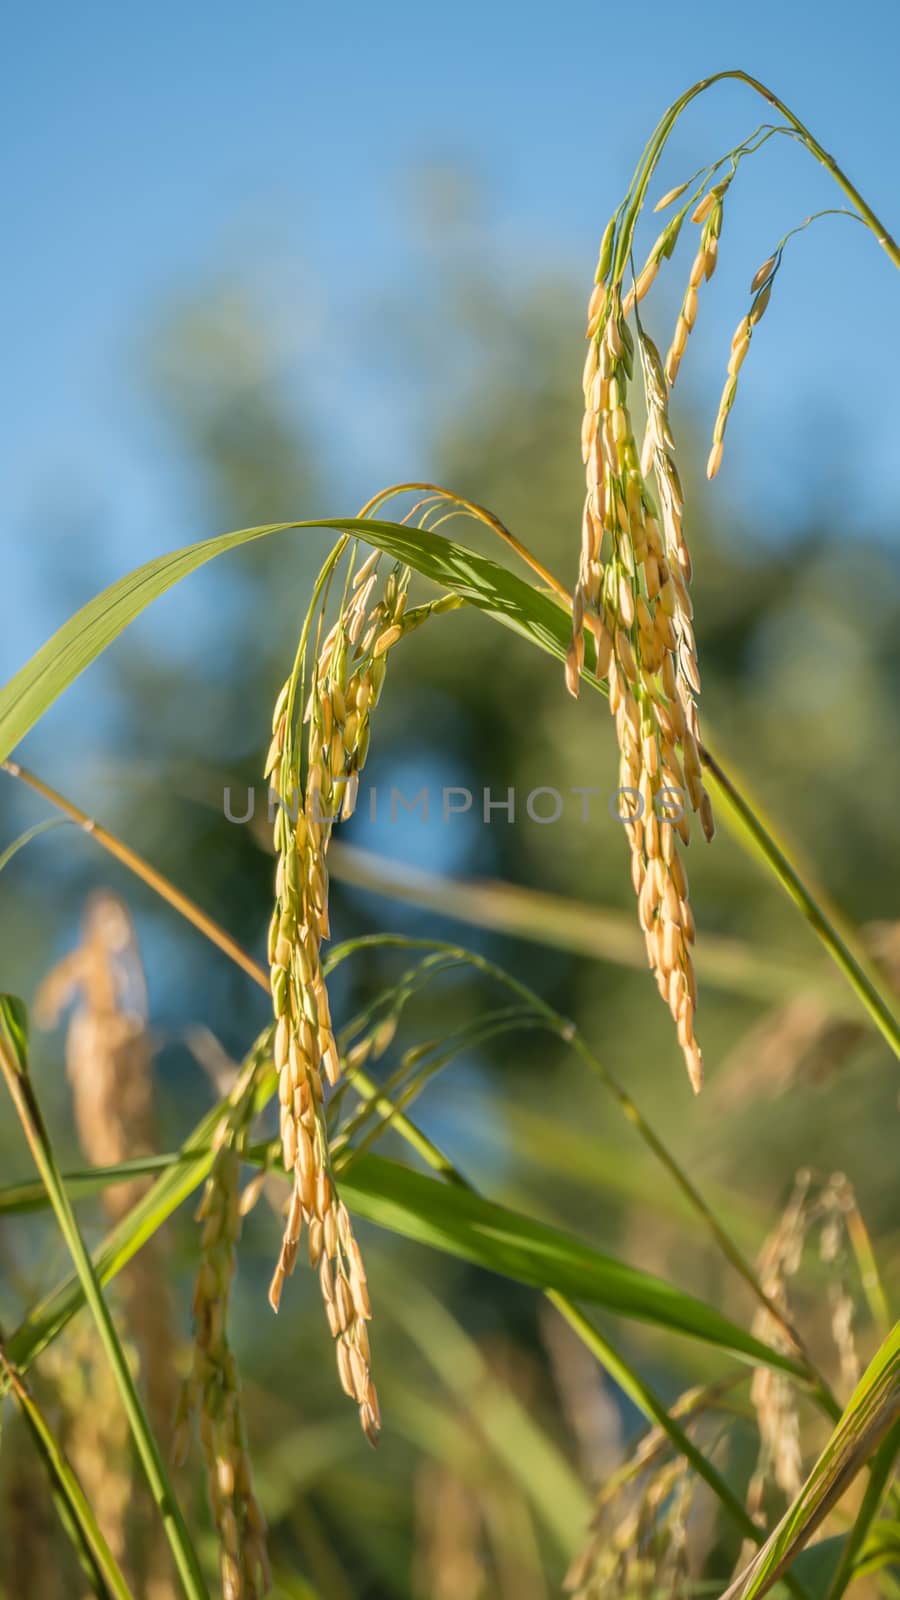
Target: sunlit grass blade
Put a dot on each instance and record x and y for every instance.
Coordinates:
(856, 1546)
(14, 1064)
(870, 1415)
(475, 578)
(75, 1510)
(30, 1195)
(443, 1216)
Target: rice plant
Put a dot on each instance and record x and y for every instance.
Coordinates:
(777, 1465)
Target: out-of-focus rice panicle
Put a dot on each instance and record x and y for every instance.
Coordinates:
(109, 1066)
(771, 1391)
(639, 1543)
(93, 1427)
(448, 1563)
(212, 1392)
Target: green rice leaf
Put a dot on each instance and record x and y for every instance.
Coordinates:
(449, 1218)
(483, 583)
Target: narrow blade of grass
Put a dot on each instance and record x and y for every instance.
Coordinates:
(532, 1459)
(14, 1064)
(870, 1415)
(75, 1510)
(462, 1223)
(855, 1543)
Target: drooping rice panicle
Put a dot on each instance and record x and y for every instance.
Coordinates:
(633, 579)
(448, 1560)
(347, 678)
(212, 1392)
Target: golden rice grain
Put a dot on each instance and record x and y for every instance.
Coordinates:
(708, 213)
(740, 344)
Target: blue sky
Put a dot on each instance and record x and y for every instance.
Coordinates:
(145, 146)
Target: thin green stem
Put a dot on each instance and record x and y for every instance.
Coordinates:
(570, 1036)
(13, 1063)
(81, 1522)
(641, 1394)
(656, 144)
(824, 919)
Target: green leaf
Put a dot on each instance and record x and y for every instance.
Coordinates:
(881, 1549)
(456, 1220)
(14, 1029)
(483, 583)
(870, 1415)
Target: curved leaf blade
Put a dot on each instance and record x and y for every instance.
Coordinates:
(871, 1414)
(474, 578)
(462, 1223)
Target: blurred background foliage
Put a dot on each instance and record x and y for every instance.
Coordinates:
(798, 639)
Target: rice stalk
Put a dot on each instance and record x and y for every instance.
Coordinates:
(212, 1391)
(447, 1559)
(32, 1564)
(109, 1066)
(93, 1429)
(830, 1208)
